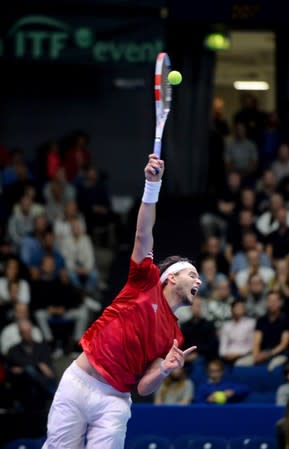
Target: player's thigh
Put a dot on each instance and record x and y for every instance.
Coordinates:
(108, 428)
(67, 418)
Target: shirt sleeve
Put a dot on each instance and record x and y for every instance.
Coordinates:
(143, 275)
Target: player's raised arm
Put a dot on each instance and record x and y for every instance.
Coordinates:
(143, 243)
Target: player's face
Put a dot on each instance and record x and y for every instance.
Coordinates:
(187, 284)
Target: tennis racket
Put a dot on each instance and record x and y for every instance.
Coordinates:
(163, 96)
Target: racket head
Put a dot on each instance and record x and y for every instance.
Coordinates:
(163, 89)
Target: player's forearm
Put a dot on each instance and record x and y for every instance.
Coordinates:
(144, 231)
(152, 379)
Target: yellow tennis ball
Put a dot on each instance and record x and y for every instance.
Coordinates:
(220, 397)
(175, 77)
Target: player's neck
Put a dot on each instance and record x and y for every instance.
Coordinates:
(172, 299)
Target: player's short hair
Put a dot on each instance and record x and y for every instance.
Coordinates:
(170, 260)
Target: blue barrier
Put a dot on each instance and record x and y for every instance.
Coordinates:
(226, 421)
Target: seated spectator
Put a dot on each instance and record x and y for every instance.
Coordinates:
(217, 220)
(236, 230)
(13, 289)
(21, 221)
(248, 201)
(280, 282)
(176, 389)
(270, 139)
(216, 383)
(31, 370)
(212, 248)
(236, 335)
(47, 248)
(254, 267)
(240, 259)
(47, 162)
(280, 167)
(200, 332)
(278, 240)
(219, 305)
(241, 153)
(255, 299)
(251, 115)
(271, 338)
(266, 186)
(62, 225)
(77, 156)
(10, 335)
(78, 253)
(68, 190)
(209, 277)
(55, 200)
(16, 189)
(32, 243)
(51, 297)
(94, 201)
(282, 393)
(267, 222)
(281, 428)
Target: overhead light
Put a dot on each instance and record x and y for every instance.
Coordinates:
(251, 85)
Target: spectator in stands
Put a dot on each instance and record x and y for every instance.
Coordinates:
(21, 222)
(209, 277)
(240, 259)
(236, 334)
(13, 289)
(219, 305)
(270, 139)
(248, 201)
(280, 167)
(212, 248)
(266, 186)
(245, 222)
(10, 335)
(217, 220)
(15, 190)
(278, 240)
(77, 156)
(254, 267)
(32, 243)
(31, 370)
(280, 282)
(177, 388)
(282, 393)
(55, 200)
(250, 114)
(255, 300)
(78, 253)
(241, 153)
(67, 189)
(271, 338)
(62, 225)
(282, 430)
(54, 298)
(47, 248)
(267, 222)
(200, 332)
(94, 201)
(48, 161)
(216, 383)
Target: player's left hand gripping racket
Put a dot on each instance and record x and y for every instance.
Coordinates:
(163, 96)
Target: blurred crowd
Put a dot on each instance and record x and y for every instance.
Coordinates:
(56, 213)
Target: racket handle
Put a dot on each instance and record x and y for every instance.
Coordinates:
(157, 147)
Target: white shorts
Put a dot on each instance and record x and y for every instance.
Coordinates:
(87, 413)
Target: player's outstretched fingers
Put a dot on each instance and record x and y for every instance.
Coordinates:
(189, 350)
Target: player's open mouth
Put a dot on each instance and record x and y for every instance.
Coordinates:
(194, 291)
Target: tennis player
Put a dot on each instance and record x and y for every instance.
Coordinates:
(136, 341)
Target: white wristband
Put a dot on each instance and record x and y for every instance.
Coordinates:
(151, 192)
(164, 371)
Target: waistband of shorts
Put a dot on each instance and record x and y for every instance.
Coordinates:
(93, 382)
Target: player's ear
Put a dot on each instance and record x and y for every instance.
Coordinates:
(172, 278)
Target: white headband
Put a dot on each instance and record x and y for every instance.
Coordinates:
(174, 268)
